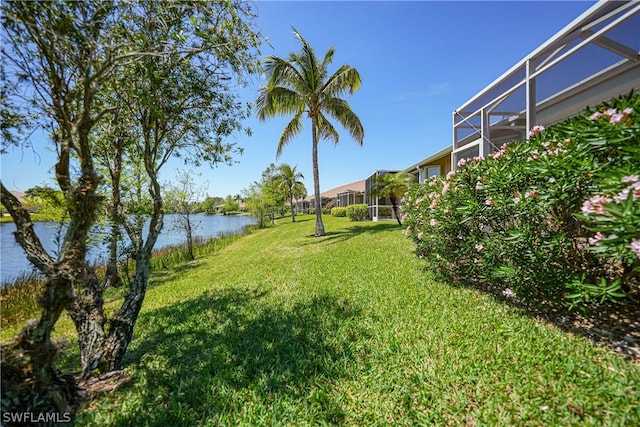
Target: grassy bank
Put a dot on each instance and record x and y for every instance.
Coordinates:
(281, 328)
(19, 298)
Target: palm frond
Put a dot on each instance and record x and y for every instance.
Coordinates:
(313, 70)
(326, 130)
(340, 110)
(346, 79)
(280, 72)
(278, 101)
(293, 128)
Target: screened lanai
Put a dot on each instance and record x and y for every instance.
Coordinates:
(594, 58)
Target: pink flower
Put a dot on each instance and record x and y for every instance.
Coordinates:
(497, 154)
(610, 112)
(595, 205)
(489, 202)
(546, 143)
(595, 116)
(631, 178)
(627, 111)
(462, 162)
(433, 222)
(536, 130)
(446, 187)
(479, 247)
(450, 174)
(552, 180)
(616, 118)
(635, 247)
(447, 210)
(594, 241)
(407, 231)
(517, 199)
(420, 235)
(509, 293)
(531, 193)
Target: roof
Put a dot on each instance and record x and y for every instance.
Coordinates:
(357, 187)
(428, 160)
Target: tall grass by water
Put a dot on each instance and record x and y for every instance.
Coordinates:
(19, 298)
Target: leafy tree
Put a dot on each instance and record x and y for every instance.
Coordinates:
(393, 186)
(209, 204)
(47, 203)
(288, 180)
(262, 198)
(230, 205)
(276, 193)
(169, 67)
(181, 103)
(62, 53)
(182, 198)
(302, 85)
(257, 202)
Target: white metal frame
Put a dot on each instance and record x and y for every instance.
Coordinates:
(613, 80)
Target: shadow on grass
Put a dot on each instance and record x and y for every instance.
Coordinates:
(611, 324)
(353, 231)
(205, 357)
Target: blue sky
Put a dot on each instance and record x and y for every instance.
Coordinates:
(419, 61)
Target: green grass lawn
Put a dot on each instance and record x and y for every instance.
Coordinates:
(281, 328)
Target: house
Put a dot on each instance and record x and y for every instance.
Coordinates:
(378, 207)
(591, 60)
(437, 164)
(345, 195)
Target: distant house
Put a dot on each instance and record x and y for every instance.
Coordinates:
(591, 60)
(345, 195)
(378, 207)
(22, 197)
(437, 164)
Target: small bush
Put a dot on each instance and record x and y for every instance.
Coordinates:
(357, 212)
(339, 212)
(385, 212)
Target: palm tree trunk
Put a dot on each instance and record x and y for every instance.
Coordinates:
(316, 178)
(394, 206)
(293, 215)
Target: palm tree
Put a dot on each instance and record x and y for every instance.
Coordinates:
(393, 186)
(302, 85)
(288, 179)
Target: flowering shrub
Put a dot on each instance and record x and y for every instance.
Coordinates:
(555, 217)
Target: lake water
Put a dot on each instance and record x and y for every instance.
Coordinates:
(13, 260)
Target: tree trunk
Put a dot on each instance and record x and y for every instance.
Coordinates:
(122, 325)
(316, 178)
(394, 206)
(33, 353)
(189, 236)
(112, 276)
(87, 313)
(293, 214)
